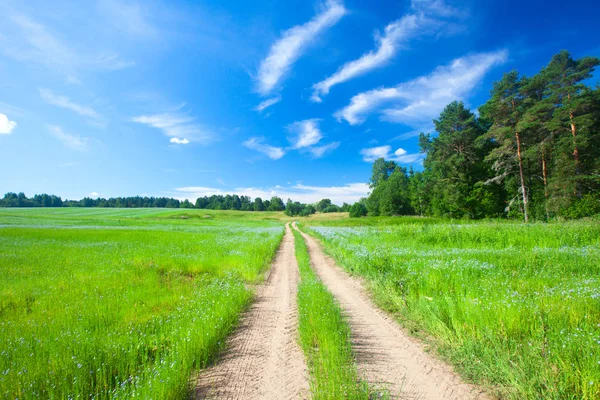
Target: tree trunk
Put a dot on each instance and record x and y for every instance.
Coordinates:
(575, 153)
(522, 176)
(545, 176)
(575, 147)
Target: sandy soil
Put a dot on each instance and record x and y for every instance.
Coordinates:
(386, 356)
(263, 359)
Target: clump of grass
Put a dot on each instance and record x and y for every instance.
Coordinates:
(98, 311)
(325, 336)
(514, 307)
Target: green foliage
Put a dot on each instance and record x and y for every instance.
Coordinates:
(325, 336)
(514, 307)
(391, 194)
(587, 206)
(120, 303)
(294, 208)
(323, 204)
(358, 210)
(532, 153)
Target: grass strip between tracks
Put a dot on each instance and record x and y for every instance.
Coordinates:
(325, 336)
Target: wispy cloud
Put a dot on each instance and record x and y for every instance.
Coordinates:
(425, 18)
(304, 133)
(348, 193)
(419, 100)
(320, 151)
(400, 156)
(292, 44)
(129, 17)
(267, 103)
(181, 128)
(64, 102)
(6, 125)
(256, 143)
(387, 47)
(73, 142)
(27, 40)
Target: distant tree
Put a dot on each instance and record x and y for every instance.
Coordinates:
(506, 109)
(381, 170)
(307, 210)
(323, 204)
(258, 204)
(276, 204)
(358, 210)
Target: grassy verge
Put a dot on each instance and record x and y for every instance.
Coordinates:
(325, 336)
(103, 312)
(514, 307)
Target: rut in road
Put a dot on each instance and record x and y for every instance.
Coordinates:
(263, 359)
(386, 356)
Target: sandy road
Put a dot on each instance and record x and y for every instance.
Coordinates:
(386, 356)
(263, 359)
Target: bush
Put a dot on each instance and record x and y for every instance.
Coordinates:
(331, 209)
(358, 210)
(587, 206)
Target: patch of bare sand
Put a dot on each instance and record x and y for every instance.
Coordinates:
(263, 359)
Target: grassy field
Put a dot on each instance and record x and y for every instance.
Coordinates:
(515, 307)
(325, 337)
(106, 303)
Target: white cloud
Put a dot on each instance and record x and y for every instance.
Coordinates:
(425, 18)
(348, 193)
(395, 33)
(304, 136)
(320, 151)
(6, 125)
(256, 143)
(267, 103)
(292, 44)
(305, 133)
(64, 102)
(373, 153)
(30, 41)
(438, 8)
(71, 141)
(419, 100)
(177, 126)
(179, 141)
(128, 17)
(94, 195)
(400, 156)
(400, 152)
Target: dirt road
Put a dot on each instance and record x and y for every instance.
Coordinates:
(386, 356)
(263, 359)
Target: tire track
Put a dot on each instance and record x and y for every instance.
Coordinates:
(263, 359)
(386, 356)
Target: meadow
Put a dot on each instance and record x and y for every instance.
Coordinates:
(513, 307)
(107, 303)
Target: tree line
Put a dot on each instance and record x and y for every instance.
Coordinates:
(215, 202)
(532, 151)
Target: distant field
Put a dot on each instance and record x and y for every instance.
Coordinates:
(515, 307)
(108, 303)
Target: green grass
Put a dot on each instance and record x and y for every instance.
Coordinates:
(121, 303)
(325, 336)
(514, 307)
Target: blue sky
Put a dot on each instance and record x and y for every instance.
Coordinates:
(289, 98)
